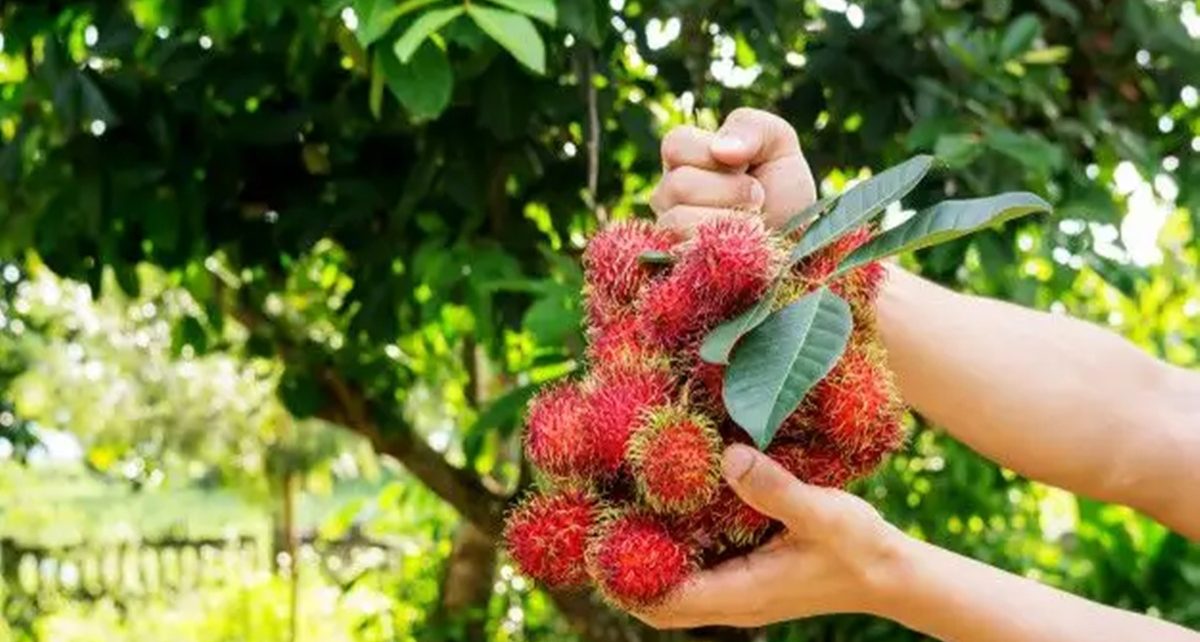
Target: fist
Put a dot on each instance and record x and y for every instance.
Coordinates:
(753, 162)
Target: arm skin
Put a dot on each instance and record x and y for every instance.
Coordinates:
(957, 599)
(839, 556)
(1053, 398)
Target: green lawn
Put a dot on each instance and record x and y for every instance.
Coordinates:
(64, 504)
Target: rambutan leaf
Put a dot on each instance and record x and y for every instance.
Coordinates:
(778, 362)
(654, 257)
(807, 215)
(720, 341)
(946, 221)
(861, 203)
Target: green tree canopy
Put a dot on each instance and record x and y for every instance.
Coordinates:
(389, 198)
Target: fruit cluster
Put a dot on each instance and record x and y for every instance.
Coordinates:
(631, 498)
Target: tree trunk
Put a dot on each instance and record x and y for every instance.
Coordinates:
(467, 583)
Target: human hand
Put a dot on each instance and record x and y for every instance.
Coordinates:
(752, 162)
(837, 555)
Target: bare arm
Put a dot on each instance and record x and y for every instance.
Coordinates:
(1053, 398)
(839, 556)
(956, 599)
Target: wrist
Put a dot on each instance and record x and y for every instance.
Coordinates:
(888, 575)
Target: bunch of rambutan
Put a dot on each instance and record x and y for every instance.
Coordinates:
(631, 497)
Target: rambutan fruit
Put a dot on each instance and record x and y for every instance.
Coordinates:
(860, 286)
(725, 268)
(617, 340)
(706, 384)
(675, 459)
(814, 462)
(613, 272)
(820, 265)
(732, 261)
(618, 397)
(636, 561)
(727, 520)
(558, 441)
(857, 399)
(547, 536)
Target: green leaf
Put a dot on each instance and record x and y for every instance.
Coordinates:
(946, 221)
(719, 342)
(579, 18)
(656, 257)
(1048, 56)
(420, 29)
(1019, 36)
(957, 150)
(782, 359)
(423, 85)
(862, 202)
(1029, 149)
(807, 215)
(543, 10)
(515, 33)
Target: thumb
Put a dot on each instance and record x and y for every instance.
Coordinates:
(771, 490)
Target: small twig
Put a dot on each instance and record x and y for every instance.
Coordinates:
(587, 70)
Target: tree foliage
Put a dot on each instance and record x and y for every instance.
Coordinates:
(389, 197)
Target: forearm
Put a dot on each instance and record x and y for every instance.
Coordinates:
(956, 599)
(1053, 398)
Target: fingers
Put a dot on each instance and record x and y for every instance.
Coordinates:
(789, 187)
(687, 145)
(753, 137)
(770, 489)
(703, 188)
(684, 219)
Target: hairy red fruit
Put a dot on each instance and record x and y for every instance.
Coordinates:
(857, 400)
(613, 273)
(860, 287)
(557, 438)
(617, 340)
(636, 561)
(820, 265)
(547, 537)
(815, 462)
(728, 519)
(618, 398)
(706, 381)
(725, 268)
(675, 459)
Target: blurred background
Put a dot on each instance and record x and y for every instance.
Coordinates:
(277, 278)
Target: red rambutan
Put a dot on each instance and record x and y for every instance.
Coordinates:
(820, 265)
(636, 561)
(857, 400)
(724, 269)
(618, 397)
(557, 439)
(727, 519)
(547, 536)
(860, 287)
(619, 341)
(706, 383)
(675, 458)
(614, 274)
(814, 462)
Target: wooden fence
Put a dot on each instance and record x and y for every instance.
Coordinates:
(152, 567)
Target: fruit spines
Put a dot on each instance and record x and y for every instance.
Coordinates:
(674, 457)
(635, 560)
(547, 536)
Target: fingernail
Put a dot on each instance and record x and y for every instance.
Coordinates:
(757, 194)
(727, 143)
(736, 462)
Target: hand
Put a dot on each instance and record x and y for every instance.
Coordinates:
(836, 556)
(752, 162)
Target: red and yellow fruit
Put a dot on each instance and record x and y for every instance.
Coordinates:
(630, 453)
